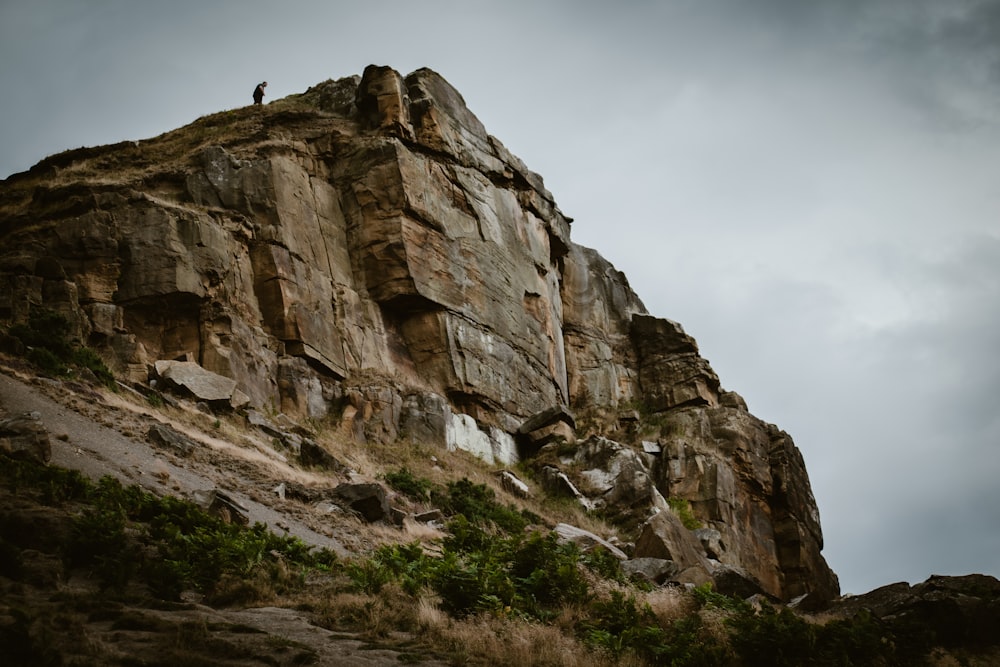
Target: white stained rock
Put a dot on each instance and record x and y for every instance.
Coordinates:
(586, 540)
(495, 447)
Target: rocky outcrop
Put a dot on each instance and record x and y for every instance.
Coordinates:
(25, 437)
(949, 612)
(367, 253)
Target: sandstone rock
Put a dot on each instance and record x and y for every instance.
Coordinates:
(652, 570)
(512, 485)
(586, 541)
(558, 484)
(223, 505)
(258, 420)
(663, 536)
(313, 454)
(369, 501)
(547, 426)
(424, 418)
(25, 437)
(711, 542)
(165, 436)
(671, 372)
(744, 477)
(693, 576)
(434, 515)
(376, 258)
(615, 474)
(492, 446)
(302, 493)
(734, 582)
(202, 384)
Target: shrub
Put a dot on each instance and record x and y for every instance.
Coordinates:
(773, 638)
(84, 357)
(605, 564)
(706, 596)
(682, 508)
(126, 531)
(477, 503)
(46, 361)
(55, 485)
(547, 573)
(404, 481)
(99, 541)
(618, 625)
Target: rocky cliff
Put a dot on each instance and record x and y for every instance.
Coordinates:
(366, 253)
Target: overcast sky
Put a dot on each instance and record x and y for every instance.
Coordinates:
(811, 188)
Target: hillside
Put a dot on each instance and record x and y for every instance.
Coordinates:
(353, 316)
(82, 580)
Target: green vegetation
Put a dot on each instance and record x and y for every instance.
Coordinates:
(404, 481)
(620, 625)
(46, 338)
(125, 533)
(495, 564)
(477, 503)
(682, 508)
(779, 638)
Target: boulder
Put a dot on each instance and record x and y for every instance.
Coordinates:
(556, 483)
(25, 437)
(664, 536)
(202, 384)
(734, 582)
(166, 436)
(512, 485)
(223, 505)
(311, 453)
(586, 541)
(711, 542)
(368, 500)
(959, 611)
(553, 424)
(615, 475)
(434, 515)
(652, 570)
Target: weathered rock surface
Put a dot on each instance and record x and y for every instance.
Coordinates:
(368, 500)
(201, 384)
(586, 541)
(664, 536)
(367, 253)
(25, 437)
(650, 570)
(169, 438)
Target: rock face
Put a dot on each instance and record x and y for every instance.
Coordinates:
(367, 253)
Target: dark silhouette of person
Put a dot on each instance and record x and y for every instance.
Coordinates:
(258, 92)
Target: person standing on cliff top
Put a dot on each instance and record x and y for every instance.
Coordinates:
(258, 92)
